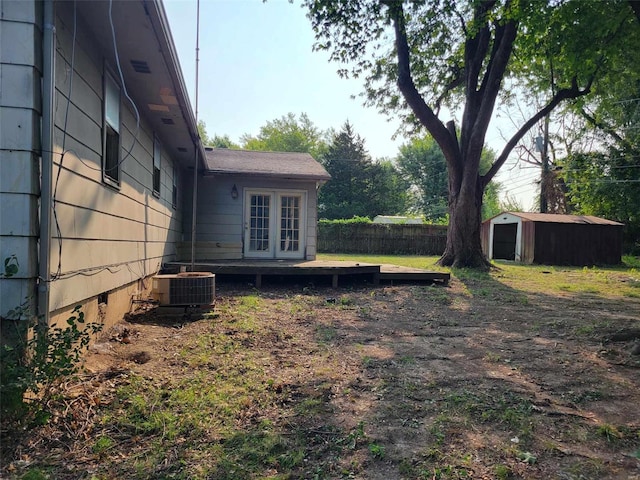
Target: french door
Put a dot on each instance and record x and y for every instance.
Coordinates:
(274, 223)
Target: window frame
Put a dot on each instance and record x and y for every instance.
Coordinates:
(111, 132)
(157, 166)
(174, 192)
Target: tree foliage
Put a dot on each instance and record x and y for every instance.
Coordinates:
(600, 164)
(422, 163)
(466, 53)
(358, 186)
(287, 134)
(217, 141)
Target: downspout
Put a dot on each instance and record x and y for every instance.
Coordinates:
(46, 169)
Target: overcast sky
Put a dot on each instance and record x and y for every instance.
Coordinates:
(257, 64)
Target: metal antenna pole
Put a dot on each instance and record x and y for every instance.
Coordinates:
(197, 149)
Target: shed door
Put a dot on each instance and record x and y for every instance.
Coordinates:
(274, 224)
(504, 241)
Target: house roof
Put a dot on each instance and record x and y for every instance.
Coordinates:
(269, 164)
(557, 218)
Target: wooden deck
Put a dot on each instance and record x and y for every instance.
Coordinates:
(314, 268)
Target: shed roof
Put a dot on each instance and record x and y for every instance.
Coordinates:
(270, 164)
(558, 218)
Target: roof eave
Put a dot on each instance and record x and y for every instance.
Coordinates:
(175, 70)
(314, 178)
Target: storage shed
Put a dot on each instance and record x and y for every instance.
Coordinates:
(552, 239)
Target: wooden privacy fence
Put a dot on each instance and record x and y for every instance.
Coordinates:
(382, 239)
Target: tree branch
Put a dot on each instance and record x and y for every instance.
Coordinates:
(500, 55)
(601, 126)
(454, 83)
(560, 96)
(406, 85)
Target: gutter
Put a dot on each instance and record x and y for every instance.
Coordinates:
(46, 169)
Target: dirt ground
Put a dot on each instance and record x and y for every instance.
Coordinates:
(479, 379)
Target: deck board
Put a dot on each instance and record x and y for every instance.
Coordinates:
(333, 268)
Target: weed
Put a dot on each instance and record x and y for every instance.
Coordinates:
(587, 396)
(36, 365)
(492, 357)
(326, 334)
(503, 472)
(35, 474)
(585, 329)
(102, 444)
(586, 468)
(407, 360)
(377, 451)
(527, 457)
(610, 432)
(352, 440)
(310, 406)
(345, 301)
(437, 429)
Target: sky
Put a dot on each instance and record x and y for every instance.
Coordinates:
(257, 64)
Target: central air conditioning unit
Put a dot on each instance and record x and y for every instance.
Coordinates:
(188, 288)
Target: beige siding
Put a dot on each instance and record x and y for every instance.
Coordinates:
(20, 114)
(219, 224)
(109, 238)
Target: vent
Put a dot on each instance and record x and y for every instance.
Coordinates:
(192, 288)
(182, 149)
(140, 66)
(167, 121)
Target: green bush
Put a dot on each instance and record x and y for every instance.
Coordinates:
(345, 221)
(38, 358)
(31, 369)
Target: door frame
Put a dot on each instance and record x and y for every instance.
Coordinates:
(275, 214)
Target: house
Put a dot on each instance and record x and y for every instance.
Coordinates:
(256, 205)
(551, 239)
(98, 143)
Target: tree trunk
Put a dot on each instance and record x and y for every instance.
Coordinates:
(464, 248)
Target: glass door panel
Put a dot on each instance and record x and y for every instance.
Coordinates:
(290, 241)
(258, 241)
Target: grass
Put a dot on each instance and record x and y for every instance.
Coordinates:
(416, 261)
(526, 278)
(232, 412)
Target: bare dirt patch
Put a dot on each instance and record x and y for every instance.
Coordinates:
(481, 379)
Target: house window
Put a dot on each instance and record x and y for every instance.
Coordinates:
(111, 132)
(156, 166)
(174, 194)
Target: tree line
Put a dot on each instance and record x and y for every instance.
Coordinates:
(414, 183)
(447, 66)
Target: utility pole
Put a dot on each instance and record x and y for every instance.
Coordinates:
(542, 144)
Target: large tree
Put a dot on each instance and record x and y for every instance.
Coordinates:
(288, 133)
(358, 186)
(217, 141)
(464, 54)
